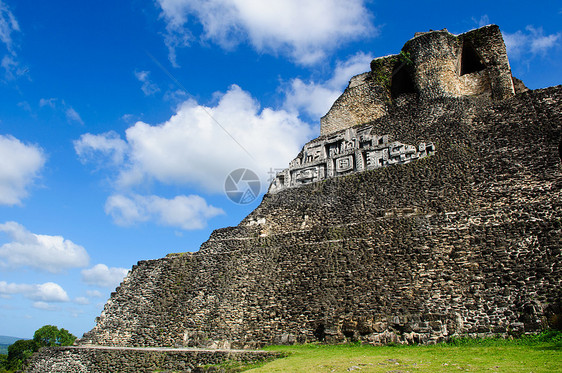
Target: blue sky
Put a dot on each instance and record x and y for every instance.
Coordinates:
(120, 121)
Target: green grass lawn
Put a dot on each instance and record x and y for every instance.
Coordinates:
(465, 356)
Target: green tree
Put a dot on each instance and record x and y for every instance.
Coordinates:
(50, 335)
(19, 351)
(46, 335)
(3, 363)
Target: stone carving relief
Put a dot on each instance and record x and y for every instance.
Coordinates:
(345, 152)
(344, 164)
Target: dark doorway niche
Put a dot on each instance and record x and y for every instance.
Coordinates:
(470, 60)
(401, 82)
(349, 334)
(320, 332)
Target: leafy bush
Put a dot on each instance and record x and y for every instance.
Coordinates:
(50, 335)
(21, 350)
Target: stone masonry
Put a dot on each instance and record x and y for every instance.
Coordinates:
(346, 152)
(74, 359)
(432, 64)
(466, 240)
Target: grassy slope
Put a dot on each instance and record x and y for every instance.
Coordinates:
(472, 357)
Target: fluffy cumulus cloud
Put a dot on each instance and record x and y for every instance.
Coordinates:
(19, 166)
(315, 98)
(200, 145)
(305, 30)
(49, 253)
(108, 144)
(102, 275)
(47, 292)
(185, 212)
(530, 43)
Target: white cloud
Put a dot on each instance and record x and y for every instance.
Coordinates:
(47, 292)
(19, 166)
(44, 306)
(125, 211)
(185, 212)
(305, 30)
(128, 118)
(57, 104)
(25, 106)
(176, 96)
(109, 144)
(82, 300)
(314, 98)
(101, 275)
(7, 290)
(531, 42)
(73, 116)
(311, 98)
(540, 44)
(8, 25)
(483, 21)
(515, 43)
(191, 148)
(13, 67)
(94, 293)
(148, 87)
(51, 102)
(50, 292)
(49, 253)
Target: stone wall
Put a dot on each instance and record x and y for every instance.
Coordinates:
(346, 112)
(112, 360)
(431, 65)
(489, 46)
(465, 242)
(472, 63)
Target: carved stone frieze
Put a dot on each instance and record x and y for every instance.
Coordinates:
(346, 152)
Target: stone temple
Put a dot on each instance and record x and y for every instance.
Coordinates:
(429, 207)
(431, 65)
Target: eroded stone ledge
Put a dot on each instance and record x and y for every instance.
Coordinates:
(106, 359)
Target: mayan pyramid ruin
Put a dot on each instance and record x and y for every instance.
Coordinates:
(430, 206)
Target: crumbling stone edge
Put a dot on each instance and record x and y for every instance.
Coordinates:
(107, 359)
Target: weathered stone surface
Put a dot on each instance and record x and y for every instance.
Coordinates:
(466, 241)
(431, 65)
(111, 360)
(344, 153)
